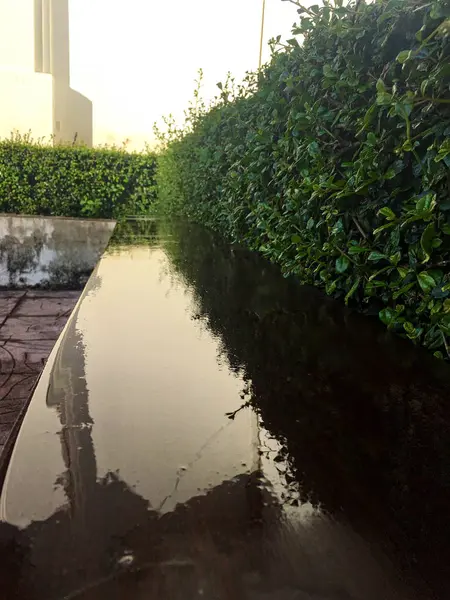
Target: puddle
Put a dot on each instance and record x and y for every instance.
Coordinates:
(208, 429)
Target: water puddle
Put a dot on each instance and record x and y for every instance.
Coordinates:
(207, 429)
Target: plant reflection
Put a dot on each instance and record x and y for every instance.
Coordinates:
(361, 419)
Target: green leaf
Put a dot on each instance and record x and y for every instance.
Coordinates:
(331, 287)
(388, 213)
(423, 86)
(338, 227)
(384, 99)
(403, 109)
(370, 115)
(426, 202)
(381, 88)
(403, 56)
(296, 239)
(387, 316)
(352, 290)
(383, 270)
(313, 149)
(412, 332)
(376, 256)
(328, 72)
(408, 327)
(342, 264)
(357, 250)
(383, 227)
(403, 290)
(426, 282)
(439, 292)
(402, 272)
(426, 241)
(444, 324)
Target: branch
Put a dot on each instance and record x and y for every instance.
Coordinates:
(358, 2)
(360, 229)
(442, 263)
(346, 256)
(232, 415)
(433, 101)
(445, 343)
(303, 8)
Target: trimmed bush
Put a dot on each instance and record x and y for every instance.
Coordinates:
(334, 161)
(74, 181)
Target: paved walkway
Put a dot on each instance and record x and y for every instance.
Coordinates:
(30, 324)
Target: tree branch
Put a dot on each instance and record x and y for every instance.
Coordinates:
(360, 229)
(303, 8)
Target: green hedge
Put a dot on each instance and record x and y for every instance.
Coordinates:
(74, 181)
(334, 161)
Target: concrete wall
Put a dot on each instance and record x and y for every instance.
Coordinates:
(26, 103)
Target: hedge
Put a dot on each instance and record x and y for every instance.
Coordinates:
(74, 181)
(334, 160)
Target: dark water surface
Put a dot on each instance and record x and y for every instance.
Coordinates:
(50, 252)
(129, 480)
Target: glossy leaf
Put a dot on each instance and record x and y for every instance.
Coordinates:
(387, 212)
(352, 290)
(376, 256)
(426, 241)
(426, 282)
(342, 264)
(387, 316)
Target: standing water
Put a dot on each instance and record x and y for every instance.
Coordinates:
(207, 429)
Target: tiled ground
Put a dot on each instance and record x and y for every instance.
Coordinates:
(30, 324)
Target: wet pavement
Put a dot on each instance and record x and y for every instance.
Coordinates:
(205, 428)
(44, 264)
(30, 324)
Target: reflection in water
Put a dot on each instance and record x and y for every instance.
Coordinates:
(363, 417)
(50, 252)
(139, 486)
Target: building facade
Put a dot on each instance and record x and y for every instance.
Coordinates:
(35, 92)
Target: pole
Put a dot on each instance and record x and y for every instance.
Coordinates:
(262, 31)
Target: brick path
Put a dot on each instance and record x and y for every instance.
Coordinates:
(30, 324)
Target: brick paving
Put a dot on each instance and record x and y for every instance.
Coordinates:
(30, 324)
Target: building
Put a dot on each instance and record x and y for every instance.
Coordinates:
(36, 96)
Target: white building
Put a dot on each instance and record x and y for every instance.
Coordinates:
(35, 92)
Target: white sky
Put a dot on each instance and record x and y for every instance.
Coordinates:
(137, 59)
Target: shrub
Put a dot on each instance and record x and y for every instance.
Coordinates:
(74, 181)
(333, 160)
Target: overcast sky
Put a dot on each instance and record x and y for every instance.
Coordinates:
(137, 60)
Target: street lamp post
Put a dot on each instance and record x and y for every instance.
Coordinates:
(263, 18)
